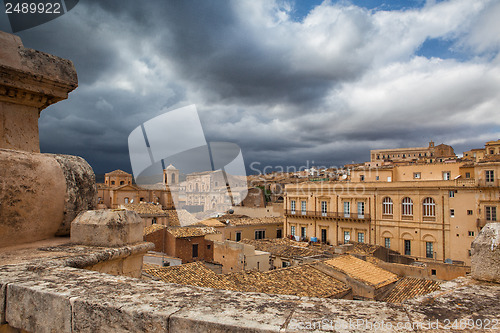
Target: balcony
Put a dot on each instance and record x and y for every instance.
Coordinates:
(327, 215)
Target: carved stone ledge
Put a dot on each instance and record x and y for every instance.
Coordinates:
(30, 81)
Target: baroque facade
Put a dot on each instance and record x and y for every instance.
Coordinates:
(429, 211)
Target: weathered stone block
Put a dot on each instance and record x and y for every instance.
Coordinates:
(107, 228)
(37, 310)
(485, 264)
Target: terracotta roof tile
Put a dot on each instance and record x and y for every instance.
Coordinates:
(283, 247)
(245, 220)
(362, 270)
(303, 280)
(144, 208)
(194, 274)
(410, 287)
(118, 173)
(152, 228)
(183, 232)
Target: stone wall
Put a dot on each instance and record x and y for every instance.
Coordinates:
(57, 298)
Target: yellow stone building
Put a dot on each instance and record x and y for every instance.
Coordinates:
(429, 154)
(430, 211)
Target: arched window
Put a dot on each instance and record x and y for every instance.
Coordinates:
(173, 178)
(407, 207)
(387, 206)
(429, 207)
(122, 182)
(126, 200)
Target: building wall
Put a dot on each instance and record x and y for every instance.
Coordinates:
(111, 179)
(183, 249)
(113, 197)
(270, 210)
(459, 211)
(236, 257)
(248, 231)
(159, 239)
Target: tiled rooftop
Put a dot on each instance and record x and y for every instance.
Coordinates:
(152, 228)
(194, 274)
(409, 287)
(283, 247)
(183, 232)
(363, 248)
(245, 220)
(213, 222)
(303, 280)
(362, 270)
(186, 217)
(144, 208)
(118, 173)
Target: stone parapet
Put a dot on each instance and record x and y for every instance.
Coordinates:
(47, 295)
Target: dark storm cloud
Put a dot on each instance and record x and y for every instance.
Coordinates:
(325, 87)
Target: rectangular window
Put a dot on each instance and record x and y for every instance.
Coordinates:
(417, 175)
(279, 233)
(195, 250)
(471, 233)
(467, 175)
(490, 176)
(491, 213)
(292, 230)
(362, 178)
(361, 237)
(429, 251)
(303, 232)
(347, 237)
(323, 235)
(470, 212)
(303, 207)
(451, 194)
(238, 236)
(347, 209)
(323, 208)
(388, 243)
(377, 178)
(407, 247)
(446, 175)
(260, 234)
(292, 206)
(452, 213)
(361, 210)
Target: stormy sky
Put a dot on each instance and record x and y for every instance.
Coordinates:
(290, 82)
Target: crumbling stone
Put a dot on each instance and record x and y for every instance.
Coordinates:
(486, 254)
(107, 227)
(81, 191)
